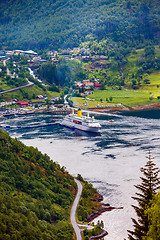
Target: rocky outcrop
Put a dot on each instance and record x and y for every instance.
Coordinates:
(100, 236)
(105, 207)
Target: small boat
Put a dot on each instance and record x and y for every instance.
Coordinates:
(21, 113)
(83, 123)
(24, 112)
(8, 113)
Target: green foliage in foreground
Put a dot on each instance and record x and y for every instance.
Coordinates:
(35, 194)
(153, 213)
(147, 190)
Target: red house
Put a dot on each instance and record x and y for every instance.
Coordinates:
(20, 103)
(98, 85)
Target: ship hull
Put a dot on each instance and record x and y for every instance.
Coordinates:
(82, 127)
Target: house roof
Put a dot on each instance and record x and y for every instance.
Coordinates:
(87, 82)
(98, 85)
(21, 103)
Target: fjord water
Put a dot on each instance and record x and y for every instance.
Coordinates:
(111, 160)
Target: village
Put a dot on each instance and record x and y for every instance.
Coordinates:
(82, 88)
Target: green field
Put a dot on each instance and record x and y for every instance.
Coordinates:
(147, 94)
(125, 97)
(85, 103)
(143, 93)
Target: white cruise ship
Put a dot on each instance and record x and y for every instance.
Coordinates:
(84, 123)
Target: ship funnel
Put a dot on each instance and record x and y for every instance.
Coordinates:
(79, 113)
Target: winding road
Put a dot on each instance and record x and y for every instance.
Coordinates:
(74, 208)
(73, 216)
(29, 84)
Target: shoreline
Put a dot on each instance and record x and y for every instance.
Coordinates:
(105, 208)
(122, 109)
(125, 108)
(152, 106)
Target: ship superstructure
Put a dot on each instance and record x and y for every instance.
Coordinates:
(84, 123)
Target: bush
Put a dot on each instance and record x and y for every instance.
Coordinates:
(151, 98)
(146, 81)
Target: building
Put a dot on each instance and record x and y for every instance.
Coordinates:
(98, 85)
(89, 92)
(40, 97)
(88, 84)
(30, 52)
(57, 98)
(79, 84)
(20, 103)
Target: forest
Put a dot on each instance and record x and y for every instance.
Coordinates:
(62, 24)
(36, 194)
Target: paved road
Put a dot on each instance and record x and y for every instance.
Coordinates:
(74, 208)
(29, 84)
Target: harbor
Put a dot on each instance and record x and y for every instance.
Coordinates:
(22, 112)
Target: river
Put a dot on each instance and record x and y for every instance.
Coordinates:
(111, 160)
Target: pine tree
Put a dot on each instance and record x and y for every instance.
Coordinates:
(149, 186)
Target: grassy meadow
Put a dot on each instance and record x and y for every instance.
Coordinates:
(146, 94)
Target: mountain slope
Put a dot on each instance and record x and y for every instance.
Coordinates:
(40, 24)
(35, 194)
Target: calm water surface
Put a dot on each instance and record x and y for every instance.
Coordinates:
(111, 160)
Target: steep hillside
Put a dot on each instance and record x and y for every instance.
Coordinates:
(67, 23)
(36, 194)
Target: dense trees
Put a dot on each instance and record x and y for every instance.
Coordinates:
(153, 213)
(148, 188)
(48, 24)
(148, 61)
(59, 74)
(36, 194)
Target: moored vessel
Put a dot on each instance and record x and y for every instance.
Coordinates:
(83, 123)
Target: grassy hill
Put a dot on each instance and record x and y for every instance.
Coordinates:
(61, 24)
(135, 82)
